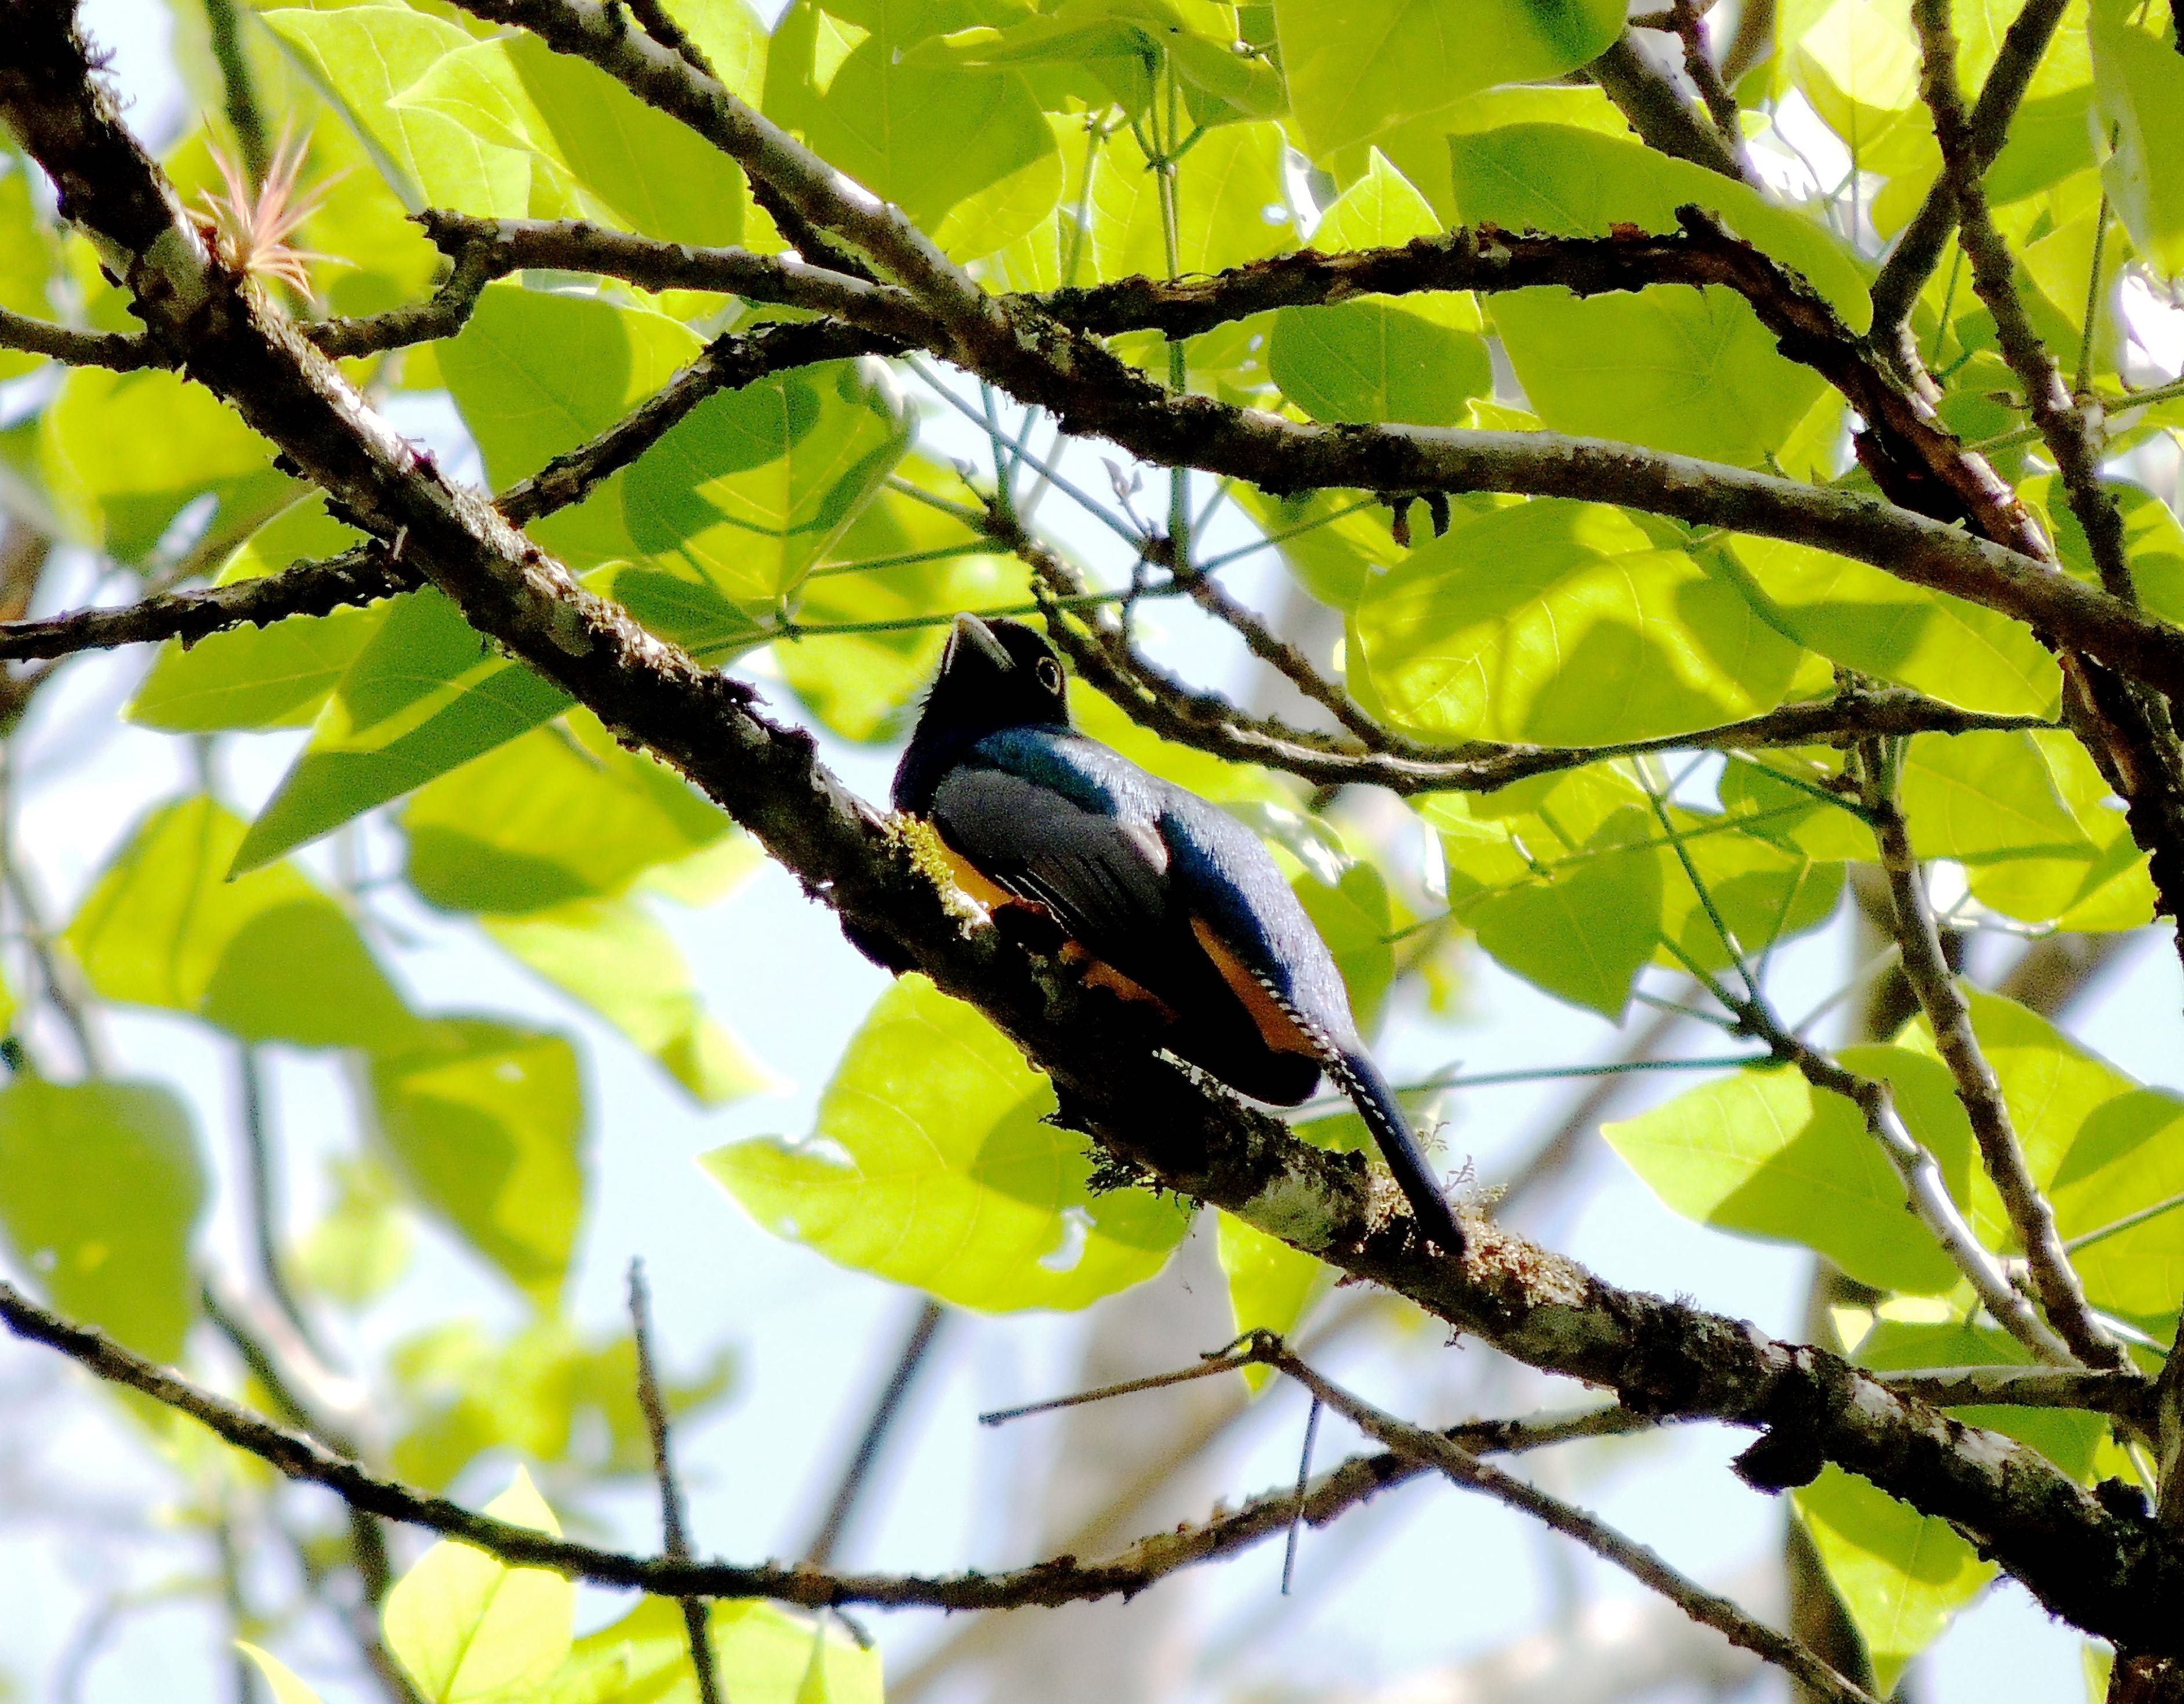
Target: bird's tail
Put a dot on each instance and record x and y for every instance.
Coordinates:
(1361, 1080)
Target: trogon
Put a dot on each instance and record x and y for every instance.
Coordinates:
(1165, 897)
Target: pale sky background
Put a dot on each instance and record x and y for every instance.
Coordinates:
(1441, 1574)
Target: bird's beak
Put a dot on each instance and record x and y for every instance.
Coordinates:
(970, 630)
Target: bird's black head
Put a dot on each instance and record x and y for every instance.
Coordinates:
(994, 675)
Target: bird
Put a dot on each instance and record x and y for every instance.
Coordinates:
(1161, 897)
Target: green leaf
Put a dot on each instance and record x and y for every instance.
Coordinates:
(1232, 204)
(1858, 67)
(543, 1392)
(485, 1121)
(2138, 87)
(763, 1655)
(613, 956)
(2103, 884)
(1561, 623)
(465, 1625)
(101, 1187)
(1582, 928)
(562, 813)
(1868, 620)
(923, 137)
(1356, 70)
(933, 1164)
(1671, 368)
(754, 486)
(1753, 791)
(267, 957)
(1332, 555)
(2127, 1158)
(537, 373)
(588, 138)
(1270, 1283)
(365, 55)
(1765, 1154)
(427, 693)
(123, 453)
(1352, 915)
(1964, 795)
(1761, 892)
(1418, 357)
(1902, 1576)
(261, 677)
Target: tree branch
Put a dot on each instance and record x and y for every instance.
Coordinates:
(1101, 652)
(121, 352)
(299, 1455)
(309, 588)
(2061, 1296)
(886, 1406)
(728, 362)
(1658, 111)
(1919, 246)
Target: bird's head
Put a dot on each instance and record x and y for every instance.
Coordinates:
(995, 675)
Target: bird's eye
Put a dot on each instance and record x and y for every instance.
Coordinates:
(1049, 675)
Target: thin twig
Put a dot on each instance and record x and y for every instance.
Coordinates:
(1918, 246)
(2061, 1296)
(673, 1522)
(262, 1190)
(886, 1406)
(2122, 1393)
(1432, 1450)
(728, 362)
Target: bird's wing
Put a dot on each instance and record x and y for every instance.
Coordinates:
(1102, 874)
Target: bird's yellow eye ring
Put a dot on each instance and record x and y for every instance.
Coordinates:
(1049, 675)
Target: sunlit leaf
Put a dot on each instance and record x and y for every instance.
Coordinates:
(612, 956)
(589, 134)
(1356, 70)
(1765, 1154)
(365, 55)
(465, 1625)
(1672, 368)
(1869, 620)
(425, 694)
(933, 1164)
(762, 1653)
(562, 813)
(1901, 1576)
(543, 1392)
(2138, 82)
(1561, 623)
(267, 957)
